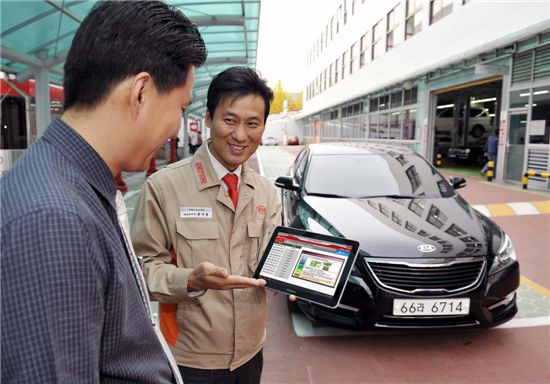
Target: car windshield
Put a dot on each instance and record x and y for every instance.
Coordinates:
(366, 175)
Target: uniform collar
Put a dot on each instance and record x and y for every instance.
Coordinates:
(219, 169)
(205, 175)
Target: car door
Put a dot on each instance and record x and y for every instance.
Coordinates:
(291, 199)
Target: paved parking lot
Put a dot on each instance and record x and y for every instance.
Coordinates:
(300, 351)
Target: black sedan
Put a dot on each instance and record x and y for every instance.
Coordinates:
(427, 259)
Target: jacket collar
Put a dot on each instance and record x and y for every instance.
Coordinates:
(205, 176)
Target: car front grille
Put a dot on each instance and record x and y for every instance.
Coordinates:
(427, 276)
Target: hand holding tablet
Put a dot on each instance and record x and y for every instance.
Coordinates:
(309, 265)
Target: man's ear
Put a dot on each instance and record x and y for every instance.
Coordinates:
(139, 92)
(208, 119)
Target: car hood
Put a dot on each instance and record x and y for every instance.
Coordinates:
(415, 228)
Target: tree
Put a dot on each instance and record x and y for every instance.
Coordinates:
(294, 101)
(279, 95)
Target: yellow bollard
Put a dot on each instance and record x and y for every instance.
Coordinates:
(491, 171)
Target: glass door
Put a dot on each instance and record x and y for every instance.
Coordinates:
(515, 147)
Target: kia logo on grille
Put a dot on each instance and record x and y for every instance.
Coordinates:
(425, 248)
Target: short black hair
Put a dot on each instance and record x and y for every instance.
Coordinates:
(118, 39)
(237, 82)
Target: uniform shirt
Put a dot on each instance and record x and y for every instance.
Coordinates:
(71, 309)
(183, 217)
(220, 170)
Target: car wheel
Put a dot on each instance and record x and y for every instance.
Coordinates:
(478, 131)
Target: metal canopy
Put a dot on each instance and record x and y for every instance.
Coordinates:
(36, 36)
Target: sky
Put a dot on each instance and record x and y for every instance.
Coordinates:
(287, 29)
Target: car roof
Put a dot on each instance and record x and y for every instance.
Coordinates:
(358, 149)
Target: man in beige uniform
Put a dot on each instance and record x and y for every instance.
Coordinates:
(202, 232)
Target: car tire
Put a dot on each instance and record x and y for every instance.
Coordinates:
(477, 131)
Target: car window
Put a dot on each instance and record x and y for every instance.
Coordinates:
(354, 175)
(300, 167)
(297, 162)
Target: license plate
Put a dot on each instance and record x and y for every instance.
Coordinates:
(431, 307)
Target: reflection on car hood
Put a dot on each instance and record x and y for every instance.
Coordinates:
(397, 227)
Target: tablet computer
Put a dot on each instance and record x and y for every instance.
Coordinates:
(312, 266)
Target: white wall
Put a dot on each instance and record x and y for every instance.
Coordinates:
(470, 29)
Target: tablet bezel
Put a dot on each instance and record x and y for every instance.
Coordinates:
(301, 292)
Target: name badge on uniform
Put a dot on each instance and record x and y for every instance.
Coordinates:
(202, 212)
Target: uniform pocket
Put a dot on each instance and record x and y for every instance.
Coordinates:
(255, 233)
(199, 239)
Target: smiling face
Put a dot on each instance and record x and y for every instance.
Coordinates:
(159, 120)
(236, 129)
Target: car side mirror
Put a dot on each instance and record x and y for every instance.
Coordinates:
(286, 182)
(457, 182)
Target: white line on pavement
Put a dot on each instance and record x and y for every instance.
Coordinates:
(524, 208)
(483, 209)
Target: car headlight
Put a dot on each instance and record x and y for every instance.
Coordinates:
(505, 256)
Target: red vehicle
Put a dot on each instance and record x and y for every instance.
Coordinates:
(293, 140)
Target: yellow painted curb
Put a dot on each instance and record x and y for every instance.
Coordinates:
(535, 287)
(542, 206)
(500, 210)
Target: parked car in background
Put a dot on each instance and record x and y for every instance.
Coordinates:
(293, 140)
(270, 140)
(427, 259)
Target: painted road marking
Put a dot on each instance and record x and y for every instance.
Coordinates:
(543, 291)
(524, 208)
(514, 209)
(542, 206)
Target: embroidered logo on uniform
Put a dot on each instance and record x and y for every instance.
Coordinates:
(260, 209)
(202, 176)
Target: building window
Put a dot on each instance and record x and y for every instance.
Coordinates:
(377, 40)
(344, 64)
(413, 23)
(540, 116)
(326, 36)
(410, 96)
(397, 99)
(383, 126)
(384, 102)
(373, 104)
(409, 124)
(363, 48)
(338, 17)
(393, 28)
(330, 75)
(331, 27)
(395, 125)
(373, 126)
(436, 217)
(336, 66)
(325, 79)
(345, 12)
(439, 9)
(351, 58)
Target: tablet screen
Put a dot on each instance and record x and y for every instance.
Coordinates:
(312, 266)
